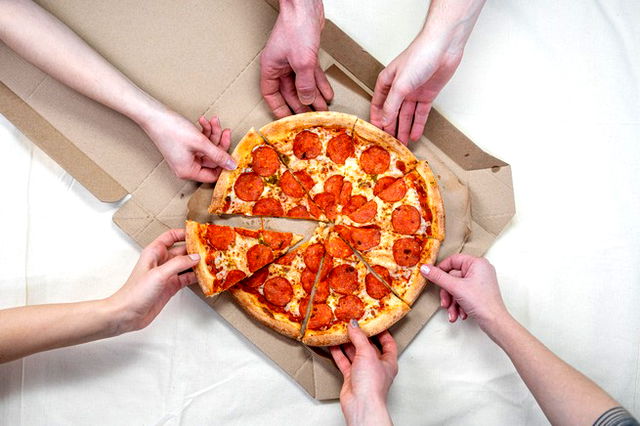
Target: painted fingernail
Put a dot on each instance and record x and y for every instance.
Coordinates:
(230, 164)
(194, 256)
(451, 316)
(424, 270)
(354, 323)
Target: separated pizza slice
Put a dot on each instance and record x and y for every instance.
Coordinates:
(395, 258)
(314, 146)
(261, 185)
(341, 294)
(273, 295)
(229, 254)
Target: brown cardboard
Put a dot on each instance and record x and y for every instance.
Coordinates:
(180, 55)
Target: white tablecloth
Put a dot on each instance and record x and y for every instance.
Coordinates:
(550, 87)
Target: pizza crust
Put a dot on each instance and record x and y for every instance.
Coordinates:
(253, 307)
(369, 132)
(283, 128)
(434, 199)
(194, 245)
(417, 282)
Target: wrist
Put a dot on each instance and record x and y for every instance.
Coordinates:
(145, 111)
(498, 324)
(303, 10)
(450, 23)
(117, 320)
(372, 411)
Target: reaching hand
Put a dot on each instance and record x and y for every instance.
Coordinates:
(191, 154)
(468, 286)
(368, 375)
(154, 280)
(290, 77)
(406, 88)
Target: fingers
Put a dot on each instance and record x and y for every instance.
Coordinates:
(389, 347)
(405, 120)
(419, 120)
(305, 82)
(440, 277)
(323, 84)
(319, 104)
(206, 126)
(218, 156)
(453, 312)
(288, 90)
(463, 314)
(180, 281)
(216, 130)
(178, 251)
(170, 237)
(178, 264)
(208, 175)
(341, 360)
(383, 85)
(359, 340)
(225, 140)
(457, 261)
(391, 107)
(349, 350)
(270, 88)
(445, 298)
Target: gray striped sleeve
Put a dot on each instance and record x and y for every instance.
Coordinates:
(616, 416)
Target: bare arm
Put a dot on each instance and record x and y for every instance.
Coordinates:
(47, 43)
(567, 397)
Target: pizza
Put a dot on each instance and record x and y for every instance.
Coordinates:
(229, 254)
(379, 216)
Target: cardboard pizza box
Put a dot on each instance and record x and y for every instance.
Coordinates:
(170, 51)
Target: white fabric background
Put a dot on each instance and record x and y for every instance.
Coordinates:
(550, 87)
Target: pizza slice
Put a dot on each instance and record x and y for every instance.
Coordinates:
(261, 185)
(229, 254)
(341, 294)
(394, 258)
(274, 295)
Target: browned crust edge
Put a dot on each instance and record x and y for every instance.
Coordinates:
(434, 198)
(417, 282)
(282, 129)
(194, 245)
(371, 133)
(253, 307)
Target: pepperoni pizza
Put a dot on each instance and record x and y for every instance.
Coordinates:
(379, 214)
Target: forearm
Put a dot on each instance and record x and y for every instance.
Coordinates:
(47, 43)
(30, 329)
(565, 395)
(451, 21)
(369, 413)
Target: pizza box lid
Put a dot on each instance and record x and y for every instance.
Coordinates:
(166, 49)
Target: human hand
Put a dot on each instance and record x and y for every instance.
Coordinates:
(468, 285)
(406, 88)
(191, 154)
(290, 77)
(368, 375)
(154, 280)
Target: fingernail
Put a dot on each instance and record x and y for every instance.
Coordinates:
(450, 316)
(354, 323)
(307, 99)
(424, 270)
(230, 165)
(442, 303)
(194, 256)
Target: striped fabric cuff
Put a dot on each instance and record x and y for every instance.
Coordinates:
(616, 416)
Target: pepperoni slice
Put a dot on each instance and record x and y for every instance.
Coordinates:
(315, 210)
(265, 161)
(327, 266)
(322, 292)
(349, 307)
(375, 287)
(304, 179)
(333, 185)
(345, 193)
(306, 145)
(406, 252)
(287, 259)
(365, 213)
(233, 277)
(258, 256)
(267, 207)
(343, 279)
(405, 219)
(375, 160)
(401, 166)
(313, 256)
(290, 185)
(258, 278)
(321, 315)
(364, 239)
(247, 232)
(277, 240)
(390, 189)
(298, 212)
(248, 186)
(307, 278)
(338, 248)
(354, 204)
(327, 202)
(220, 237)
(340, 148)
(278, 291)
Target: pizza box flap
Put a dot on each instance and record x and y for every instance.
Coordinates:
(167, 49)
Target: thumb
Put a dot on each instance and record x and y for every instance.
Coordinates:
(178, 264)
(306, 83)
(216, 154)
(359, 340)
(440, 278)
